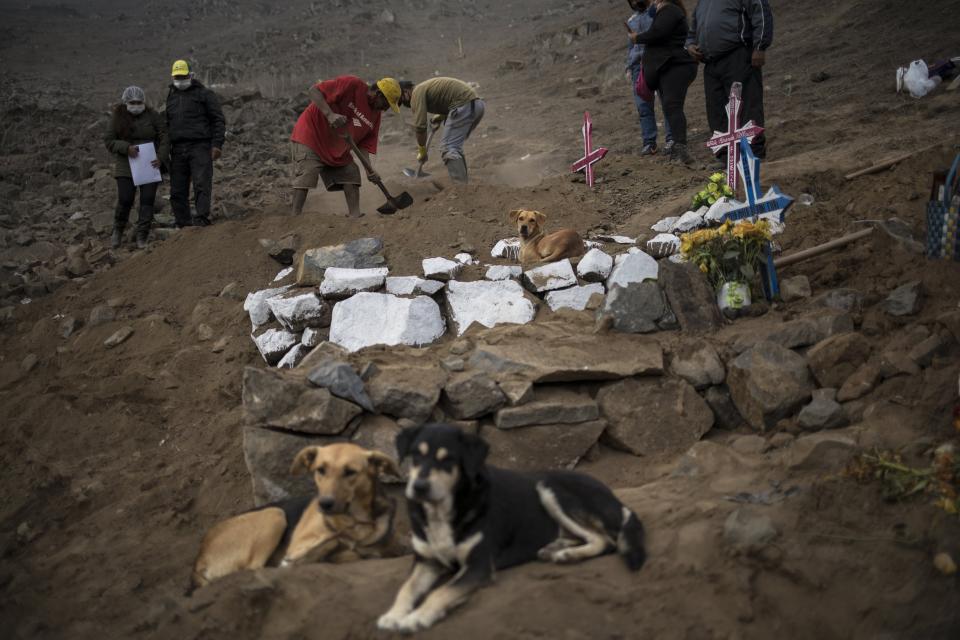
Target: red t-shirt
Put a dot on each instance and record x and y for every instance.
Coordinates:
(346, 95)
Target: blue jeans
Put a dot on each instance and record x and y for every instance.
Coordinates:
(648, 117)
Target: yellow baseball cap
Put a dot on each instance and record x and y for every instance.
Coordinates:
(390, 89)
(180, 68)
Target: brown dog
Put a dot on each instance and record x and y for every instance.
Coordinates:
(537, 248)
(348, 519)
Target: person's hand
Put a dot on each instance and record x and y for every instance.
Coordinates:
(215, 153)
(155, 163)
(421, 154)
(436, 120)
(759, 58)
(632, 36)
(373, 176)
(336, 120)
(133, 151)
(695, 52)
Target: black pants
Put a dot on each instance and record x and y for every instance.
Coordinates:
(718, 75)
(190, 161)
(126, 191)
(673, 82)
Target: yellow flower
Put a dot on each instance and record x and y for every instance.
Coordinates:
(717, 177)
(724, 229)
(703, 268)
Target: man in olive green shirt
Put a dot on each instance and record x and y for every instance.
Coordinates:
(447, 99)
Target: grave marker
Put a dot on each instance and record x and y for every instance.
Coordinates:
(590, 155)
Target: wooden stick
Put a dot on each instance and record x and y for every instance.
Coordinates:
(822, 248)
(880, 166)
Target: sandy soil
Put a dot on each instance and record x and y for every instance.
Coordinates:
(114, 462)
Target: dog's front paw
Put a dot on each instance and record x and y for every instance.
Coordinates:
(415, 621)
(564, 556)
(389, 621)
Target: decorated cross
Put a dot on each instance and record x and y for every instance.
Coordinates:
(734, 134)
(590, 155)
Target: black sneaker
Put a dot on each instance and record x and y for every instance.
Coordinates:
(116, 238)
(201, 221)
(649, 149)
(668, 146)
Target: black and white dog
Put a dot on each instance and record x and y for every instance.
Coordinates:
(469, 519)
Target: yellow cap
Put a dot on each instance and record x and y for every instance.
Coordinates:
(390, 89)
(180, 68)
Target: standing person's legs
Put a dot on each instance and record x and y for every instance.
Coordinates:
(180, 185)
(752, 79)
(148, 193)
(306, 172)
(674, 83)
(346, 179)
(716, 92)
(460, 124)
(125, 195)
(648, 119)
(201, 169)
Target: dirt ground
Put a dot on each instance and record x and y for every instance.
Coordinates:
(114, 462)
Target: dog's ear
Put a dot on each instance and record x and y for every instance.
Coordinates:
(515, 214)
(382, 463)
(541, 218)
(304, 459)
(475, 451)
(405, 440)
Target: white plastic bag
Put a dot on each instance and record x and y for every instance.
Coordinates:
(917, 79)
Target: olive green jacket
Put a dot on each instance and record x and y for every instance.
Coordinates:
(148, 126)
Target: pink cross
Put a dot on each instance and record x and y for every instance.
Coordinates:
(590, 155)
(731, 139)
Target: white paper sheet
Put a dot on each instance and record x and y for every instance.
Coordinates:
(141, 168)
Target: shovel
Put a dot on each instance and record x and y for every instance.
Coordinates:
(419, 173)
(392, 205)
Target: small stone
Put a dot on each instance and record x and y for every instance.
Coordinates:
(273, 344)
(503, 272)
(120, 336)
(101, 314)
(824, 412)
(363, 253)
(77, 266)
(412, 286)
(293, 357)
(465, 259)
(663, 245)
(595, 266)
(342, 381)
(220, 344)
(923, 353)
(576, 298)
(768, 382)
(862, 382)
(698, 363)
(745, 529)
(843, 300)
(633, 267)
(517, 391)
(342, 283)
(687, 222)
(508, 248)
(639, 307)
(549, 277)
(204, 332)
(472, 395)
(905, 300)
(555, 446)
(549, 406)
(666, 224)
(453, 364)
(297, 312)
(795, 288)
(233, 291)
(68, 326)
(460, 347)
(29, 362)
(257, 305)
(311, 337)
(284, 249)
(835, 359)
(724, 411)
(780, 440)
(749, 445)
(441, 269)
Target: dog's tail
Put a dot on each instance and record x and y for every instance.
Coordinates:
(630, 540)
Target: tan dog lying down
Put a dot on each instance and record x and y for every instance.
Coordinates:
(538, 248)
(346, 520)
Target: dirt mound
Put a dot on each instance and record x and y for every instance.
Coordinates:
(114, 461)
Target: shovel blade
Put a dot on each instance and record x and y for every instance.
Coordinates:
(410, 173)
(393, 205)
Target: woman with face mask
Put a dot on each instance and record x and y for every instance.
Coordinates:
(134, 123)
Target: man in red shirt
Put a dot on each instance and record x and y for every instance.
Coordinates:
(344, 105)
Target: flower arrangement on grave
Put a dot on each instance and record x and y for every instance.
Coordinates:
(716, 188)
(730, 255)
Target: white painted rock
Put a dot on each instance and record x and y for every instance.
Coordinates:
(663, 245)
(720, 208)
(507, 248)
(367, 319)
(503, 272)
(489, 303)
(293, 357)
(273, 344)
(595, 266)
(441, 268)
(298, 312)
(617, 239)
(665, 225)
(633, 267)
(688, 221)
(573, 298)
(283, 274)
(592, 244)
(550, 277)
(412, 285)
(342, 283)
(466, 259)
(256, 305)
(311, 337)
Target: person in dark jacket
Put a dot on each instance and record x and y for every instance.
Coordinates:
(643, 14)
(669, 69)
(133, 123)
(730, 38)
(197, 128)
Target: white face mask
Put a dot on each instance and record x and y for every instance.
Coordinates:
(182, 84)
(136, 109)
